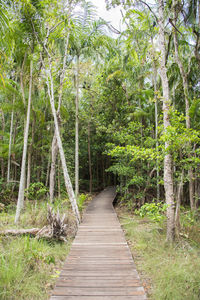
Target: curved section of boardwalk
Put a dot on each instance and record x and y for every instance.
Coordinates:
(99, 265)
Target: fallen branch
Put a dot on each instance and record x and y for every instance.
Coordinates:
(56, 228)
(32, 231)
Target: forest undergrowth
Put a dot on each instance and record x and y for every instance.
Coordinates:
(168, 272)
(29, 267)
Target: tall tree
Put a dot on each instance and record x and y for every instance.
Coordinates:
(20, 201)
(186, 95)
(168, 163)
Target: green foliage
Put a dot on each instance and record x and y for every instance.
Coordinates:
(6, 192)
(173, 271)
(36, 191)
(81, 201)
(154, 211)
(29, 267)
(26, 267)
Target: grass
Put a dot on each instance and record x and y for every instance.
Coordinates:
(29, 267)
(169, 272)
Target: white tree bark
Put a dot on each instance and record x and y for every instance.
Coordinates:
(168, 173)
(187, 106)
(156, 116)
(54, 152)
(20, 201)
(54, 147)
(68, 184)
(77, 133)
(178, 203)
(10, 143)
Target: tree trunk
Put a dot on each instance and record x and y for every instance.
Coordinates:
(60, 147)
(30, 156)
(20, 201)
(54, 152)
(77, 132)
(2, 138)
(28, 181)
(168, 173)
(59, 185)
(54, 147)
(89, 158)
(48, 170)
(10, 143)
(156, 118)
(178, 204)
(187, 106)
(103, 171)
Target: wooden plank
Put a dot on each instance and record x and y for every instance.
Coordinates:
(97, 282)
(100, 265)
(98, 297)
(97, 273)
(97, 267)
(107, 291)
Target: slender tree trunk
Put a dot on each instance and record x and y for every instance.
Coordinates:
(48, 170)
(97, 172)
(30, 156)
(28, 181)
(156, 118)
(60, 147)
(54, 147)
(168, 173)
(21, 80)
(10, 143)
(54, 152)
(187, 106)
(20, 201)
(2, 138)
(178, 204)
(77, 132)
(103, 170)
(59, 188)
(196, 32)
(89, 158)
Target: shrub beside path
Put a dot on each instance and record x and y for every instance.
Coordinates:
(100, 265)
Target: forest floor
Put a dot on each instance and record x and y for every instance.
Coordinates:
(168, 272)
(29, 267)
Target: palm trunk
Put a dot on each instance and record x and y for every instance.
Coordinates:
(89, 158)
(60, 147)
(54, 147)
(30, 156)
(187, 107)
(20, 201)
(168, 173)
(2, 138)
(28, 169)
(10, 144)
(77, 133)
(54, 152)
(156, 118)
(178, 204)
(48, 170)
(59, 186)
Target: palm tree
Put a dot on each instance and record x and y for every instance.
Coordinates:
(84, 40)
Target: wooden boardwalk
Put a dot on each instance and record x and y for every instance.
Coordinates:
(99, 265)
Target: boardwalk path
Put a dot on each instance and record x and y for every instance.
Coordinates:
(99, 265)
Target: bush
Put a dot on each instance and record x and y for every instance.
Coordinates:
(36, 191)
(81, 201)
(154, 211)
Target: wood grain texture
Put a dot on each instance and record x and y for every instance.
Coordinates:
(99, 265)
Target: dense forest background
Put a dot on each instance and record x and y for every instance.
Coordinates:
(104, 107)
